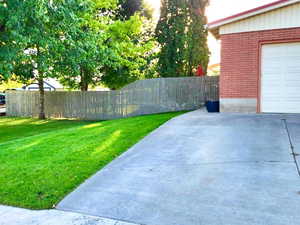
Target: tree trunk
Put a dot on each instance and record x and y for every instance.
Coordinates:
(42, 115)
(84, 86)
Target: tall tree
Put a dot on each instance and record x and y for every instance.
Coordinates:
(86, 52)
(106, 51)
(34, 33)
(171, 35)
(197, 49)
(131, 47)
(182, 35)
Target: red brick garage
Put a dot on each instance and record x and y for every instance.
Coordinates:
(260, 59)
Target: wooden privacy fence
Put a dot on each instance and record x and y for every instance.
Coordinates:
(139, 98)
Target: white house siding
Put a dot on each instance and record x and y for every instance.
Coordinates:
(287, 17)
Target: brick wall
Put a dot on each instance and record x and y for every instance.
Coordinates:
(240, 60)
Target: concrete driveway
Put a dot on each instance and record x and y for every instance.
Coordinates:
(202, 169)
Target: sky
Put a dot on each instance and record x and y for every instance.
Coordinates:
(219, 9)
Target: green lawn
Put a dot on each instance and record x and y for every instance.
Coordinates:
(42, 161)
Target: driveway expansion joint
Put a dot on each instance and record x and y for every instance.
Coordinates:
(294, 154)
(117, 221)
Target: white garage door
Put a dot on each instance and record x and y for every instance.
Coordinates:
(280, 78)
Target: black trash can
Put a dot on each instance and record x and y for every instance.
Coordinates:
(213, 106)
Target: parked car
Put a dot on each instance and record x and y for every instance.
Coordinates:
(2, 99)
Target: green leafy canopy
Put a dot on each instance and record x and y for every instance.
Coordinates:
(182, 35)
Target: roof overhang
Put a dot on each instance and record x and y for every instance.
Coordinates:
(215, 26)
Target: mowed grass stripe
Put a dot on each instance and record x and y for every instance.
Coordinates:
(37, 171)
(16, 128)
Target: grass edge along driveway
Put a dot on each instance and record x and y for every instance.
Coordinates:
(43, 161)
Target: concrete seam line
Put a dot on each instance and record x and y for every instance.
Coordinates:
(291, 145)
(117, 221)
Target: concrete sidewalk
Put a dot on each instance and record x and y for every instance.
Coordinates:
(202, 169)
(17, 216)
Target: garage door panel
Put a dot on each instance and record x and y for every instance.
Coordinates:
(272, 83)
(271, 67)
(270, 51)
(280, 78)
(271, 89)
(292, 59)
(292, 86)
(291, 71)
(272, 96)
(292, 94)
(293, 50)
(270, 72)
(292, 65)
(272, 58)
(290, 107)
(272, 63)
(292, 77)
